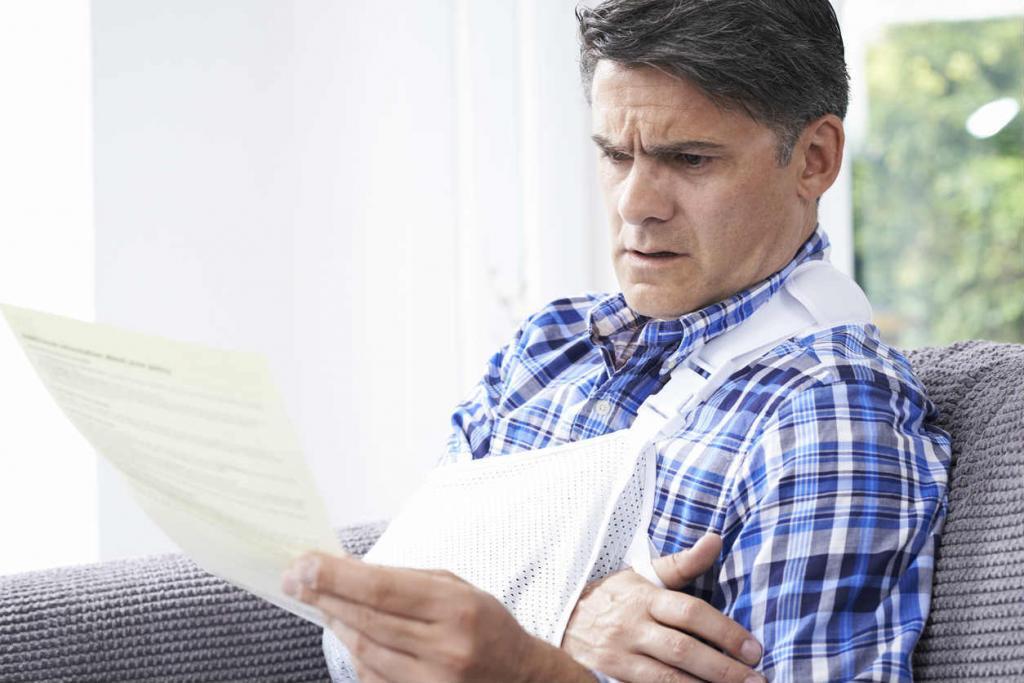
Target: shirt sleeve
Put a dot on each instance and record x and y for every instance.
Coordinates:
(474, 418)
(832, 532)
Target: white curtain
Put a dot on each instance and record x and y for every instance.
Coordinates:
(48, 480)
(372, 194)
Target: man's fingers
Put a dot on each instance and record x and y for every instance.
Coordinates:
(396, 633)
(684, 652)
(405, 592)
(638, 669)
(678, 569)
(356, 642)
(694, 616)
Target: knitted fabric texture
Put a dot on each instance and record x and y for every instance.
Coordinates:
(158, 618)
(163, 619)
(976, 627)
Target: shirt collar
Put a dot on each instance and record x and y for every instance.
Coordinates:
(614, 325)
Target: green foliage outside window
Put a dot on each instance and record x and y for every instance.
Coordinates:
(938, 213)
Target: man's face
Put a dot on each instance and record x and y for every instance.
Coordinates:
(698, 205)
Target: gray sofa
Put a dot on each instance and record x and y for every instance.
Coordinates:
(163, 619)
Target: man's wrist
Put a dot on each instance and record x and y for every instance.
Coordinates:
(552, 664)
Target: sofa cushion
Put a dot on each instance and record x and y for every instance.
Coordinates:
(155, 618)
(976, 627)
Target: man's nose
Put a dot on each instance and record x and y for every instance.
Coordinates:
(645, 195)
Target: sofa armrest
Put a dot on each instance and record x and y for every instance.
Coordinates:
(154, 618)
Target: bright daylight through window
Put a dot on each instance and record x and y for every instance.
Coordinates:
(938, 184)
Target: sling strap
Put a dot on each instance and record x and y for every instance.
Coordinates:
(816, 296)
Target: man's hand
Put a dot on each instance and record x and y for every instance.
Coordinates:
(407, 625)
(626, 627)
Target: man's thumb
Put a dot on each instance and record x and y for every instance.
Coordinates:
(678, 569)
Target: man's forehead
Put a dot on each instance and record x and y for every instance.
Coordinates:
(658, 104)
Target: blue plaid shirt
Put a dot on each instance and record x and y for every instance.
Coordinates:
(819, 465)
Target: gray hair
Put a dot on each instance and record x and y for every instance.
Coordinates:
(781, 61)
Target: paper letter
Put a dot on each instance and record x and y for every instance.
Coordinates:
(201, 437)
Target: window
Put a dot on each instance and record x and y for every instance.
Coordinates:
(938, 179)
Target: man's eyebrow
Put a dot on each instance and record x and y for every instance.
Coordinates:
(685, 147)
(605, 144)
(667, 150)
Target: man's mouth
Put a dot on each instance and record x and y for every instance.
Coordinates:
(656, 254)
(652, 258)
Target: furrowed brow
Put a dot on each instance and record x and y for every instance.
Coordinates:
(668, 150)
(607, 145)
(685, 147)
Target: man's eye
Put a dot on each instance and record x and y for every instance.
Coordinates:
(692, 160)
(615, 157)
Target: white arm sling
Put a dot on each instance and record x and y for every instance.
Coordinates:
(533, 528)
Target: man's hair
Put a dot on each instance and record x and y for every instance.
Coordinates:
(781, 61)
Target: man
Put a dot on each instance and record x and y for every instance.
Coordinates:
(719, 126)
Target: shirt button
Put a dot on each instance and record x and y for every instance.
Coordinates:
(603, 408)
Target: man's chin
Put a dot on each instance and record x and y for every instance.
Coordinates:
(657, 305)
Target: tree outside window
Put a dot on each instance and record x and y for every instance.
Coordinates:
(938, 208)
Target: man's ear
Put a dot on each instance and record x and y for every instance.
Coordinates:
(819, 153)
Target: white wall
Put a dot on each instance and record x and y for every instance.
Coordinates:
(338, 185)
(374, 302)
(193, 118)
(47, 471)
